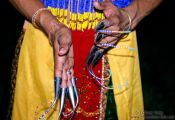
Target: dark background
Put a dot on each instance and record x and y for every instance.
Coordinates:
(156, 49)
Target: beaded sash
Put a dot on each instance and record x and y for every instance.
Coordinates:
(79, 14)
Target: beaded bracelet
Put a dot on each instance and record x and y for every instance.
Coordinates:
(36, 14)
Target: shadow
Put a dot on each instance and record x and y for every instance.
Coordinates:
(11, 26)
(156, 50)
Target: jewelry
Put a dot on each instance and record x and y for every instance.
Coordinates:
(109, 32)
(125, 31)
(68, 72)
(36, 14)
(129, 18)
(57, 91)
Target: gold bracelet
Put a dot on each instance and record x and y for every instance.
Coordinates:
(36, 14)
(129, 18)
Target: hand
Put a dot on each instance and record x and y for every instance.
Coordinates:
(61, 39)
(63, 54)
(115, 20)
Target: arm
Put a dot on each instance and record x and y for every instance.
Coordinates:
(140, 9)
(29, 7)
(118, 19)
(55, 31)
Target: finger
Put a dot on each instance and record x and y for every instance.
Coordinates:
(64, 39)
(59, 61)
(108, 40)
(99, 36)
(119, 18)
(108, 22)
(71, 57)
(69, 76)
(102, 25)
(65, 76)
(111, 32)
(64, 46)
(107, 7)
(70, 66)
(100, 5)
(68, 69)
(112, 20)
(69, 83)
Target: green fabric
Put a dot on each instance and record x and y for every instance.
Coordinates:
(111, 111)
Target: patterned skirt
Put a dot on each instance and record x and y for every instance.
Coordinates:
(33, 79)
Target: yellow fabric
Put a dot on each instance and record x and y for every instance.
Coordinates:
(124, 64)
(35, 85)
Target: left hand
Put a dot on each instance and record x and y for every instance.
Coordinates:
(115, 20)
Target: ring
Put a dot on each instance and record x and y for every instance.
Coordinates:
(106, 42)
(68, 72)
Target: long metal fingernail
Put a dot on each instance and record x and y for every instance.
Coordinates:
(57, 86)
(91, 54)
(71, 96)
(75, 87)
(63, 96)
(99, 37)
(97, 56)
(100, 26)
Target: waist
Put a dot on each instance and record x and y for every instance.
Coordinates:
(77, 21)
(79, 14)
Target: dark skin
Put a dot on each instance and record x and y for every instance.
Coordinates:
(58, 33)
(117, 19)
(61, 37)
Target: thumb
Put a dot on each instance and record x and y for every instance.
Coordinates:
(99, 5)
(63, 50)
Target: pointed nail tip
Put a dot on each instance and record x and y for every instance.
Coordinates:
(100, 26)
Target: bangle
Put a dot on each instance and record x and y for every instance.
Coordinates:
(129, 18)
(36, 14)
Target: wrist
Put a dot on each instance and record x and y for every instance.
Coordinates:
(48, 22)
(133, 11)
(36, 16)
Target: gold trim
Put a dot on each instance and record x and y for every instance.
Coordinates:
(85, 113)
(13, 74)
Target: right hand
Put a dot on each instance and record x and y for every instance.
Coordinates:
(61, 39)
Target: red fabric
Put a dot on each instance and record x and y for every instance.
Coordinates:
(88, 90)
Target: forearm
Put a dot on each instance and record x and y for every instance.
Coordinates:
(141, 8)
(44, 20)
(27, 7)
